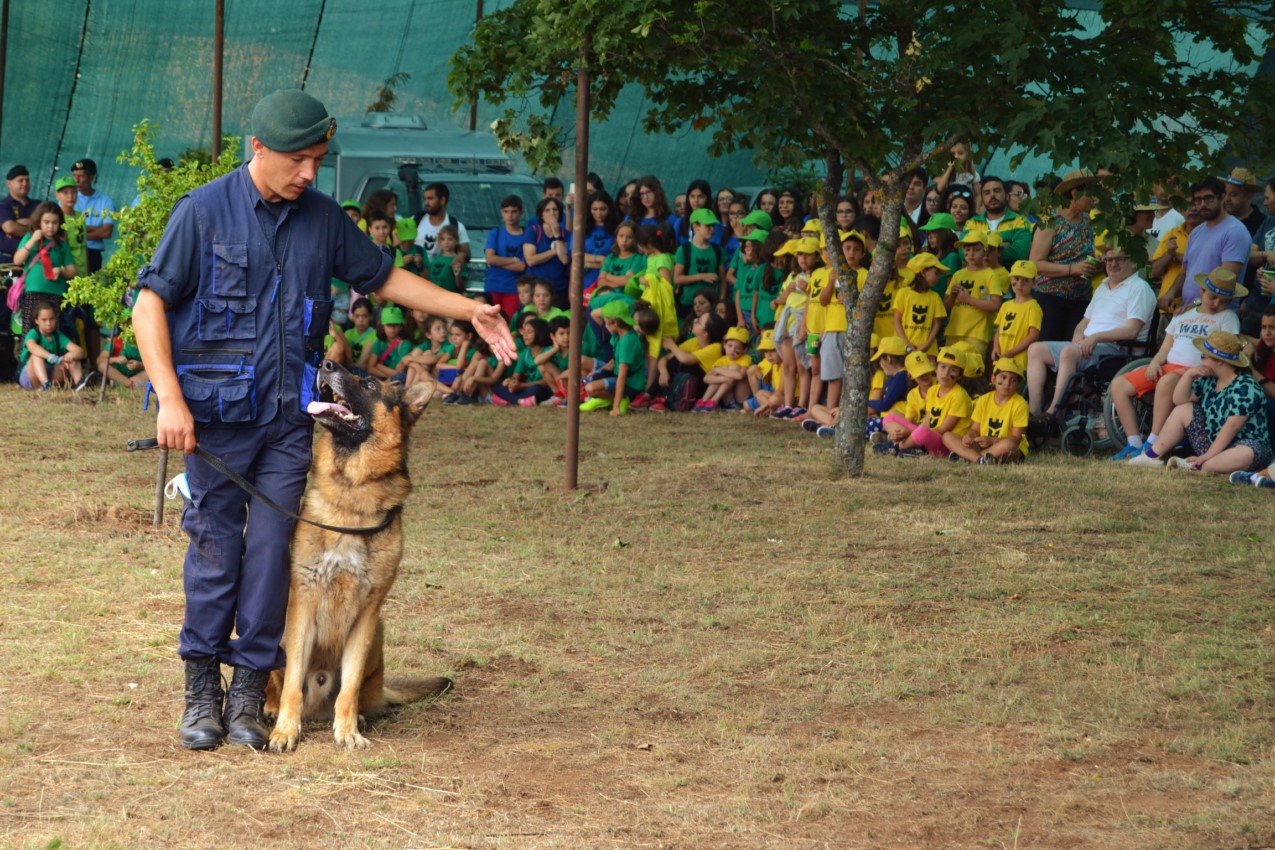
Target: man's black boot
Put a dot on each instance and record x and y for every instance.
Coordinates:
(201, 727)
(244, 718)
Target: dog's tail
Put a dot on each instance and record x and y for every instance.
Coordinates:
(404, 691)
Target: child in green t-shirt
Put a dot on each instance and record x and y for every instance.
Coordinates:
(381, 358)
(629, 364)
(48, 356)
(698, 264)
(413, 254)
(442, 268)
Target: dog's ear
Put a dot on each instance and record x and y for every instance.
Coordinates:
(418, 396)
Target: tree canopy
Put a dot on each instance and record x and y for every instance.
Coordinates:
(884, 87)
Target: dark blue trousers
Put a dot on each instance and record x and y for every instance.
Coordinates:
(237, 566)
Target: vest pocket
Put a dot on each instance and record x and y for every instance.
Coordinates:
(230, 268)
(219, 393)
(318, 313)
(221, 319)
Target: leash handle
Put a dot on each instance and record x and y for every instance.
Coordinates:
(142, 444)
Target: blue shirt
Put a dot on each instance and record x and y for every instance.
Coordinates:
(598, 242)
(248, 286)
(95, 207)
(503, 244)
(553, 270)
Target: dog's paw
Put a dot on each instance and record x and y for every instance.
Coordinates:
(349, 738)
(284, 737)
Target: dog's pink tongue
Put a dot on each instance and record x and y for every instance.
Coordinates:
(316, 408)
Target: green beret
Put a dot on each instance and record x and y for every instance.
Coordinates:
(290, 120)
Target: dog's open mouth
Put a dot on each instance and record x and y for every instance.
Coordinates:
(330, 403)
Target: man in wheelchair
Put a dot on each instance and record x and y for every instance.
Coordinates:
(1121, 311)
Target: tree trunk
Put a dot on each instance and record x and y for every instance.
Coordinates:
(862, 307)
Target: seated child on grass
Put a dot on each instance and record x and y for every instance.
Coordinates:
(122, 364)
(1220, 410)
(347, 346)
(897, 428)
(695, 355)
(998, 428)
(628, 369)
(48, 357)
(381, 358)
(763, 376)
(947, 407)
(435, 349)
(451, 375)
(726, 382)
(526, 385)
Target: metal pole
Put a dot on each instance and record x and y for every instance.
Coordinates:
(575, 293)
(160, 475)
(219, 49)
(4, 51)
(473, 107)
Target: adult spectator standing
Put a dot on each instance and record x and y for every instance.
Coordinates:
(914, 197)
(435, 218)
(1121, 309)
(1237, 200)
(1220, 240)
(262, 246)
(1167, 218)
(1062, 250)
(97, 208)
(15, 211)
(1015, 230)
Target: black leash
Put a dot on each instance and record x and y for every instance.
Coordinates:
(248, 487)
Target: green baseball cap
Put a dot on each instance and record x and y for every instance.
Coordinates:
(64, 183)
(406, 230)
(757, 235)
(351, 205)
(940, 221)
(391, 315)
(619, 311)
(704, 216)
(758, 218)
(289, 120)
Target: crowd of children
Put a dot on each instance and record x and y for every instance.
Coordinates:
(709, 305)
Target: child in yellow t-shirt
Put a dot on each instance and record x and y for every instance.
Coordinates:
(726, 382)
(971, 300)
(790, 330)
(1018, 322)
(998, 429)
(947, 406)
(897, 427)
(918, 311)
(763, 376)
(992, 260)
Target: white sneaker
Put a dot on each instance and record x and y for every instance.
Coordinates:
(1145, 460)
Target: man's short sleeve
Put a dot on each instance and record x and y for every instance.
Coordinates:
(1142, 305)
(173, 272)
(462, 235)
(358, 260)
(1236, 244)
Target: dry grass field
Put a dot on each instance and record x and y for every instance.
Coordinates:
(718, 643)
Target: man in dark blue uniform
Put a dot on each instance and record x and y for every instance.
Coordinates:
(230, 319)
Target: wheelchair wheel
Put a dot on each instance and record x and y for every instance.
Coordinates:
(1077, 441)
(1141, 406)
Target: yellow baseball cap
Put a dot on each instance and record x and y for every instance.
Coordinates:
(1007, 364)
(973, 237)
(739, 335)
(893, 345)
(952, 356)
(767, 341)
(1024, 268)
(925, 260)
(918, 364)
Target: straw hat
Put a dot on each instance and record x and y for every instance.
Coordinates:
(1222, 283)
(1224, 346)
(1242, 177)
(1074, 179)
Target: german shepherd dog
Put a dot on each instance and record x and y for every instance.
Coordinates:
(332, 637)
